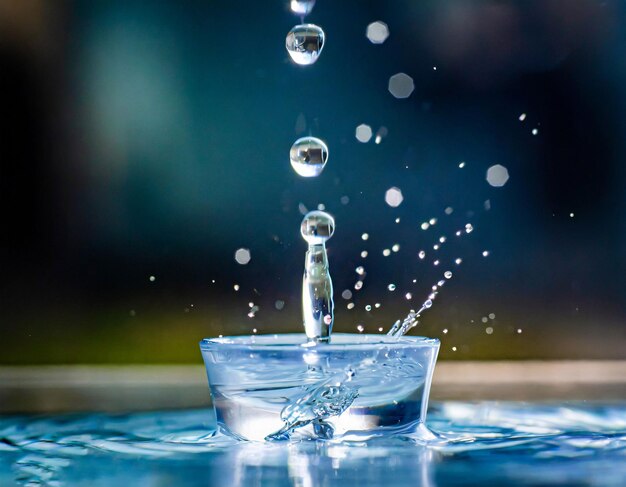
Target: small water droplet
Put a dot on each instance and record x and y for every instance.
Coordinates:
(360, 270)
(363, 133)
(408, 296)
(152, 278)
(535, 131)
(308, 156)
(377, 32)
(436, 247)
(380, 329)
(425, 225)
(350, 305)
(364, 254)
(279, 304)
(489, 330)
(304, 43)
(454, 349)
(519, 330)
(461, 165)
(522, 117)
(458, 261)
(391, 287)
(441, 283)
(386, 252)
(393, 197)
(358, 285)
(428, 303)
(492, 316)
(445, 331)
(242, 256)
(360, 328)
(421, 254)
(377, 305)
(469, 228)
(398, 220)
(344, 200)
(401, 85)
(346, 294)
(365, 236)
(368, 307)
(448, 210)
(236, 287)
(436, 262)
(432, 221)
(447, 274)
(395, 247)
(485, 253)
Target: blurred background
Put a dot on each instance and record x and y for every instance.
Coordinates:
(144, 142)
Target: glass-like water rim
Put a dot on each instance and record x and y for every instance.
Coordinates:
(298, 341)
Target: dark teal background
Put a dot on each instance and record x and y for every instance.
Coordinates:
(148, 138)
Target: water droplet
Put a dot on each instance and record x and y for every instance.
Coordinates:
(152, 278)
(485, 253)
(448, 210)
(317, 227)
(377, 32)
(360, 328)
(421, 254)
(304, 43)
(365, 236)
(462, 165)
(458, 233)
(428, 303)
(535, 131)
(391, 287)
(279, 304)
(321, 207)
(398, 220)
(436, 247)
(368, 307)
(393, 197)
(425, 225)
(519, 330)
(382, 132)
(432, 296)
(346, 294)
(242, 256)
(377, 305)
(522, 117)
(360, 270)
(492, 316)
(458, 261)
(432, 221)
(364, 254)
(484, 319)
(571, 215)
(308, 156)
(445, 331)
(344, 200)
(441, 283)
(386, 252)
(489, 330)
(395, 247)
(358, 285)
(253, 330)
(447, 274)
(302, 7)
(408, 296)
(350, 305)
(401, 85)
(442, 239)
(436, 262)
(469, 228)
(236, 287)
(363, 133)
(380, 329)
(497, 175)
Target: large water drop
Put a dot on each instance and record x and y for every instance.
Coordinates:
(308, 156)
(305, 43)
(302, 7)
(317, 227)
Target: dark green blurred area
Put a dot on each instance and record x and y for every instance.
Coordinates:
(151, 138)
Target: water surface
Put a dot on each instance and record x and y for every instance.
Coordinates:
(478, 444)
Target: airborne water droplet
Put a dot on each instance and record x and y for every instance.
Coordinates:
(317, 227)
(391, 287)
(447, 274)
(302, 7)
(308, 156)
(305, 43)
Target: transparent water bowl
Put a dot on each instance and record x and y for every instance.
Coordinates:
(278, 387)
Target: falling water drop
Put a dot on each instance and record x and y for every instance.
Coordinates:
(302, 7)
(391, 287)
(447, 274)
(305, 43)
(308, 156)
(317, 227)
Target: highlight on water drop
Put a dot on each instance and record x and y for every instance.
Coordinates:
(304, 43)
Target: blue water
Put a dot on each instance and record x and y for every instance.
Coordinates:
(483, 444)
